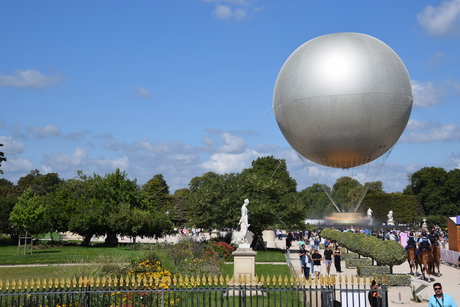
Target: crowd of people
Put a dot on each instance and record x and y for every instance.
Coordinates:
(309, 245)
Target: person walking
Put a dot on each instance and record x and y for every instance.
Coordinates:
(338, 259)
(302, 253)
(307, 265)
(328, 259)
(317, 258)
(440, 299)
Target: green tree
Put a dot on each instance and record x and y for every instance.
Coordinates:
(316, 201)
(28, 213)
(217, 200)
(87, 204)
(2, 158)
(429, 185)
(40, 184)
(8, 198)
(271, 167)
(346, 192)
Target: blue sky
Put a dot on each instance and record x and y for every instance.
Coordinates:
(184, 87)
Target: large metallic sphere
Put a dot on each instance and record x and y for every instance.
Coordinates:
(343, 100)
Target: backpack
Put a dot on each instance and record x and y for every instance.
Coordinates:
(424, 243)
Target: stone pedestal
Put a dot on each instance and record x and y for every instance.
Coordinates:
(244, 261)
(215, 233)
(269, 238)
(391, 223)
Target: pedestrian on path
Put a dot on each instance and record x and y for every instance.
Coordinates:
(338, 259)
(328, 259)
(307, 265)
(440, 299)
(317, 258)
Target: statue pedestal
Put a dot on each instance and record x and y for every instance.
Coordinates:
(391, 223)
(244, 261)
(269, 237)
(215, 233)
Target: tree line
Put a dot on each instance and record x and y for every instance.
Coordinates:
(114, 205)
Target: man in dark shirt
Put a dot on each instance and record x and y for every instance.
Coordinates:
(328, 259)
(317, 258)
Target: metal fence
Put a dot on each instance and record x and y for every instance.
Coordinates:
(327, 291)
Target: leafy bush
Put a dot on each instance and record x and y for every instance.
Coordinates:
(395, 280)
(364, 270)
(387, 252)
(353, 263)
(197, 258)
(223, 250)
(349, 256)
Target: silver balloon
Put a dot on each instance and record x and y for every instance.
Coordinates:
(342, 100)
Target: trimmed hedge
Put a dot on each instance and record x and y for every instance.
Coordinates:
(354, 263)
(364, 270)
(387, 252)
(395, 280)
(346, 256)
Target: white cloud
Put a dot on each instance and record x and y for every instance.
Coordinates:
(425, 132)
(223, 12)
(425, 94)
(231, 144)
(436, 59)
(10, 146)
(234, 2)
(17, 165)
(441, 20)
(226, 12)
(455, 84)
(141, 92)
(61, 162)
(30, 78)
(48, 130)
(110, 165)
(228, 163)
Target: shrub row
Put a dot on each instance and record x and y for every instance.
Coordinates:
(395, 280)
(387, 252)
(350, 256)
(365, 270)
(354, 262)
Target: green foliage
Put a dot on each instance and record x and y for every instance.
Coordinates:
(273, 168)
(349, 256)
(346, 192)
(194, 258)
(405, 207)
(217, 201)
(223, 250)
(437, 190)
(395, 280)
(353, 263)
(28, 213)
(2, 158)
(316, 201)
(366, 270)
(387, 252)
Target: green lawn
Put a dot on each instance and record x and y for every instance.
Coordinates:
(77, 254)
(9, 254)
(272, 255)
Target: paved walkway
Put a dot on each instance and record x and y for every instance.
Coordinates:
(450, 279)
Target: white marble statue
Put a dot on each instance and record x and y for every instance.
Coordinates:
(244, 225)
(369, 212)
(390, 216)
